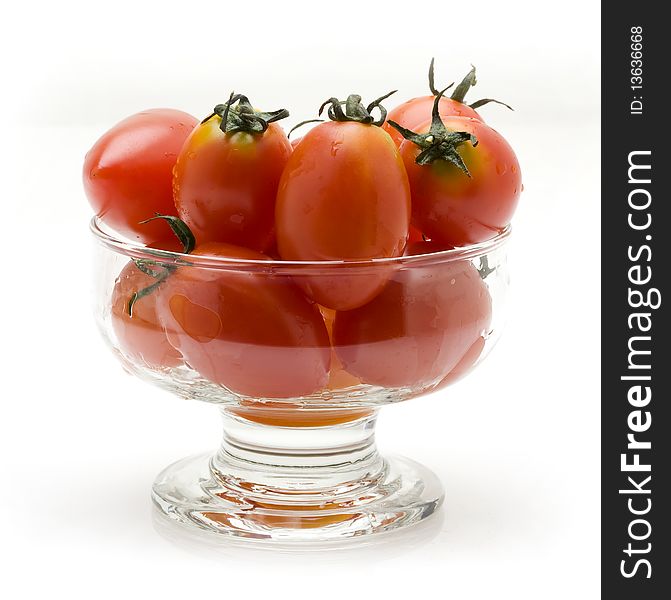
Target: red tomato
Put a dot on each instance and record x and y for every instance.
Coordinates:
(140, 336)
(128, 172)
(455, 208)
(254, 333)
(418, 328)
(295, 142)
(225, 183)
(416, 111)
(343, 195)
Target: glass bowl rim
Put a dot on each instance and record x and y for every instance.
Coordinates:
(108, 238)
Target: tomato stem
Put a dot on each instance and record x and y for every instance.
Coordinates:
(355, 110)
(439, 143)
(147, 267)
(147, 290)
(179, 228)
(188, 240)
(243, 117)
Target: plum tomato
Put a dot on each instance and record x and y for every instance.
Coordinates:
(255, 333)
(128, 171)
(415, 111)
(417, 330)
(464, 177)
(226, 176)
(140, 336)
(344, 195)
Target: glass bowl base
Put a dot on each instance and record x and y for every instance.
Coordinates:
(197, 492)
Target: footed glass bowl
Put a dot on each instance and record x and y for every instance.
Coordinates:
(299, 357)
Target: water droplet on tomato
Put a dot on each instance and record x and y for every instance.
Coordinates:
(191, 155)
(501, 169)
(513, 168)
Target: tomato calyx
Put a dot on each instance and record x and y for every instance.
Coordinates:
(303, 123)
(179, 228)
(466, 84)
(355, 110)
(237, 114)
(160, 272)
(439, 143)
(432, 85)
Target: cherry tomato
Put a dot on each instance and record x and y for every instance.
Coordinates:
(128, 172)
(416, 111)
(140, 336)
(252, 332)
(456, 205)
(226, 176)
(343, 195)
(418, 328)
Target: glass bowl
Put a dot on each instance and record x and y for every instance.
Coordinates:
(299, 384)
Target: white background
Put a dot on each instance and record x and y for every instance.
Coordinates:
(516, 444)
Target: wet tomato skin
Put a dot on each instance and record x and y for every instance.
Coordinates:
(140, 336)
(254, 333)
(343, 195)
(416, 111)
(454, 209)
(127, 173)
(225, 183)
(417, 329)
